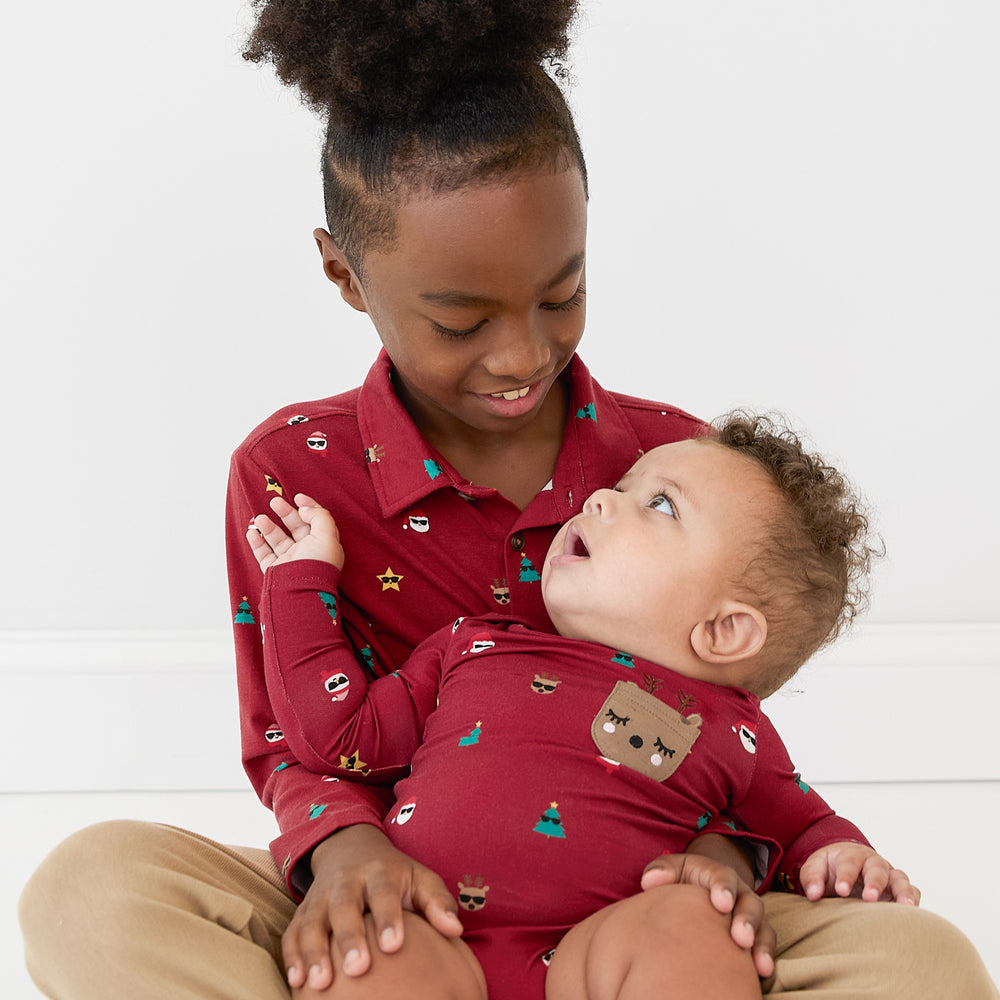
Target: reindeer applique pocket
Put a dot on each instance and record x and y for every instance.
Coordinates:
(636, 729)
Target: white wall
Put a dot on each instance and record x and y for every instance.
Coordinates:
(794, 205)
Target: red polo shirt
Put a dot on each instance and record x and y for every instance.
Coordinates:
(424, 546)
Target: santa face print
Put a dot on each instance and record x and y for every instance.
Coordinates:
(747, 737)
(337, 686)
(405, 813)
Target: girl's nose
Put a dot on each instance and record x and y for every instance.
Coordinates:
(521, 352)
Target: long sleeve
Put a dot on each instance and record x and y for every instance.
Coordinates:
(779, 806)
(332, 718)
(307, 806)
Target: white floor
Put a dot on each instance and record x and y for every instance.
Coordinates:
(942, 834)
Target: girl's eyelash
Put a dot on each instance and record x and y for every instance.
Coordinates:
(455, 334)
(571, 303)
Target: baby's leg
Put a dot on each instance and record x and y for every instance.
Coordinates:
(670, 936)
(428, 966)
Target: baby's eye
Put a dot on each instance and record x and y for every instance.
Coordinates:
(663, 504)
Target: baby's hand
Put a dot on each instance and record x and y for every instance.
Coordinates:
(310, 532)
(847, 869)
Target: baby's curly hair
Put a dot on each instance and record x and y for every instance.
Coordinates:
(811, 576)
(426, 95)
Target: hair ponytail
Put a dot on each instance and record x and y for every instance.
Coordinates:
(421, 95)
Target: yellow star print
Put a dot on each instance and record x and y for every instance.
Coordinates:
(353, 763)
(273, 484)
(390, 580)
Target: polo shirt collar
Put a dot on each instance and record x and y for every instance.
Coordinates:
(599, 444)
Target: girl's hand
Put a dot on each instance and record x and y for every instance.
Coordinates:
(729, 894)
(356, 870)
(309, 532)
(848, 869)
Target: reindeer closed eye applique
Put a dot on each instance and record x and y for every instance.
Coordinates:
(636, 729)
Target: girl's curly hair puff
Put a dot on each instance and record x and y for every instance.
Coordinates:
(431, 94)
(811, 578)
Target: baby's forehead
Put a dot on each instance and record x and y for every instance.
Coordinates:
(700, 465)
(691, 455)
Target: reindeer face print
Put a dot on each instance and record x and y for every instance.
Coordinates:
(636, 729)
(472, 894)
(544, 684)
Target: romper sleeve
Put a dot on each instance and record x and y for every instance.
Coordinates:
(782, 809)
(333, 719)
(308, 806)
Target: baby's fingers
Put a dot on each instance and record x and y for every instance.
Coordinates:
(901, 889)
(846, 871)
(874, 878)
(264, 532)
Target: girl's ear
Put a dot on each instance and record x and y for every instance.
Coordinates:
(336, 268)
(736, 633)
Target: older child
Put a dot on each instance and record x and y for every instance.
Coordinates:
(697, 586)
(456, 208)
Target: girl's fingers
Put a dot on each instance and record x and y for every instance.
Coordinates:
(305, 948)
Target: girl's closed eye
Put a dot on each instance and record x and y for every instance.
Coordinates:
(456, 334)
(571, 303)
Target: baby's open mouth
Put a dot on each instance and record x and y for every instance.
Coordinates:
(574, 545)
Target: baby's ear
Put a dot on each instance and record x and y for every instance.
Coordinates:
(736, 633)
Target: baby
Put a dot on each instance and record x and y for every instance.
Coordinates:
(539, 773)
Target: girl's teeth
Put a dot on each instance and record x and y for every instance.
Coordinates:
(513, 394)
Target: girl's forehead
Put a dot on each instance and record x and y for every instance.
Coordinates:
(528, 214)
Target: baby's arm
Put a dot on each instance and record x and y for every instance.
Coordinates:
(823, 853)
(333, 721)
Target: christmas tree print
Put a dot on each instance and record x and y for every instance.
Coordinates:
(432, 468)
(803, 787)
(550, 823)
(528, 572)
(315, 811)
(329, 602)
(243, 614)
(586, 412)
(473, 737)
(623, 658)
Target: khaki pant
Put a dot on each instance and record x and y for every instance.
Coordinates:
(138, 910)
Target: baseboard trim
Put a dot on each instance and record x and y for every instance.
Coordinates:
(156, 710)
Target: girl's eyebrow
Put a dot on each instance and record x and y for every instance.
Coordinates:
(452, 298)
